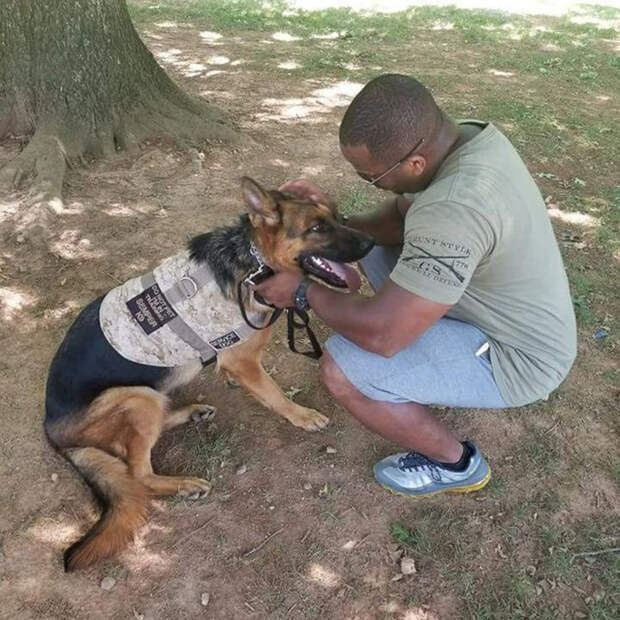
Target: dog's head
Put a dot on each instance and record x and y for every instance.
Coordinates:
(298, 235)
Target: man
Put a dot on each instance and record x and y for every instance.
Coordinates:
(471, 304)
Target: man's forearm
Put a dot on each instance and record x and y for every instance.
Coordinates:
(346, 314)
(386, 224)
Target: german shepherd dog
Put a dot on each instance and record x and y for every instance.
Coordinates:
(105, 413)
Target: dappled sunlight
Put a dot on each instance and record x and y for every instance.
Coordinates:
(554, 8)
(71, 246)
(289, 65)
(192, 67)
(321, 101)
(439, 25)
(218, 60)
(504, 74)
(167, 24)
(312, 170)
(323, 576)
(211, 37)
(151, 556)
(117, 209)
(574, 217)
(597, 22)
(57, 314)
(196, 66)
(54, 531)
(284, 37)
(13, 302)
(340, 94)
(279, 163)
(169, 55)
(329, 36)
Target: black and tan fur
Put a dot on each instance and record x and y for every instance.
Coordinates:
(105, 413)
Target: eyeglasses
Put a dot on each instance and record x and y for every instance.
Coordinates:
(372, 181)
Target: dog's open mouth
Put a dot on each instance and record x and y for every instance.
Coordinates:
(328, 271)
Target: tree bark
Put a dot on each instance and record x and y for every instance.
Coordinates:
(75, 75)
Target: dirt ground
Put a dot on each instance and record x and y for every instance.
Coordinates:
(290, 530)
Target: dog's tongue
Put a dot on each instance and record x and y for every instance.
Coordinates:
(347, 273)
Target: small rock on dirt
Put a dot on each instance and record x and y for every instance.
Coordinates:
(407, 566)
(330, 450)
(107, 583)
(54, 477)
(241, 469)
(204, 599)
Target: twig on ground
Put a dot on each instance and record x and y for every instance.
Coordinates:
(178, 542)
(599, 552)
(251, 551)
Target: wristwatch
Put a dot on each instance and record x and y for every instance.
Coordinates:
(301, 300)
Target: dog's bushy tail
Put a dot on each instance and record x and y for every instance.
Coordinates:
(124, 502)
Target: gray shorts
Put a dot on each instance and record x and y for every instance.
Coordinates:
(448, 365)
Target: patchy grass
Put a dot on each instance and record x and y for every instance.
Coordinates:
(195, 449)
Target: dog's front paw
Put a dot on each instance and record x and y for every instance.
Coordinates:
(202, 412)
(309, 419)
(193, 488)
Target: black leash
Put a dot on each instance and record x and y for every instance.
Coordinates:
(292, 325)
(277, 312)
(256, 277)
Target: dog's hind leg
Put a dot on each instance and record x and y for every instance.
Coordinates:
(128, 422)
(244, 364)
(142, 440)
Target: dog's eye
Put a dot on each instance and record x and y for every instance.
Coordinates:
(317, 228)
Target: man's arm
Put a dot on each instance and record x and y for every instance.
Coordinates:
(384, 324)
(386, 224)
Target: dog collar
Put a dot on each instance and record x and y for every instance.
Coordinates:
(262, 272)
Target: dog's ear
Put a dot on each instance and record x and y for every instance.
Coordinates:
(260, 203)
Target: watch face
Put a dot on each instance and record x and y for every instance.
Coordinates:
(301, 301)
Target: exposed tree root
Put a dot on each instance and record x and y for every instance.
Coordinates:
(43, 163)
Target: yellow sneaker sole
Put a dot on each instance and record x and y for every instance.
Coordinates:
(467, 489)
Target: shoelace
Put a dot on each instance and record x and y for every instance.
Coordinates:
(414, 461)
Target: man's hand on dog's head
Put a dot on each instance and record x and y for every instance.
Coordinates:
(302, 189)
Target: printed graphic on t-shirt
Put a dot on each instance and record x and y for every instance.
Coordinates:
(444, 262)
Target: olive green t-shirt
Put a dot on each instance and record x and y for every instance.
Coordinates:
(479, 238)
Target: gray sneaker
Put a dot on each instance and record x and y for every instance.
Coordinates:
(416, 475)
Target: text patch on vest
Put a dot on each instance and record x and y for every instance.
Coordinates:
(151, 309)
(227, 340)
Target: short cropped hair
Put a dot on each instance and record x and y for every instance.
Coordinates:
(389, 115)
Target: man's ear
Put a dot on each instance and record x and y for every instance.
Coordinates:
(417, 164)
(261, 205)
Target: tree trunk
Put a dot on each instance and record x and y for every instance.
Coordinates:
(75, 74)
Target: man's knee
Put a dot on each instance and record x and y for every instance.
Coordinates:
(333, 378)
